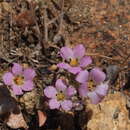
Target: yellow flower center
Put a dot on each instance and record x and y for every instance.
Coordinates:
(60, 96)
(19, 80)
(73, 62)
(91, 85)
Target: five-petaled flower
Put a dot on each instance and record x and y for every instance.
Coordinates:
(75, 58)
(20, 79)
(97, 76)
(60, 95)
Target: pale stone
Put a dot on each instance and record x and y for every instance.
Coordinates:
(110, 114)
(16, 121)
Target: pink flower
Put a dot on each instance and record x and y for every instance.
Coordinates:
(98, 77)
(99, 93)
(75, 57)
(19, 79)
(60, 96)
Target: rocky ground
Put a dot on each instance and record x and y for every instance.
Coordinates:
(32, 32)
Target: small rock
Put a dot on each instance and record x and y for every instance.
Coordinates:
(16, 121)
(112, 73)
(29, 100)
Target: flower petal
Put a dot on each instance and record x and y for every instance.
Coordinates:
(29, 74)
(17, 69)
(82, 77)
(54, 104)
(70, 91)
(60, 86)
(66, 105)
(79, 51)
(74, 70)
(97, 75)
(86, 60)
(83, 90)
(66, 53)
(63, 65)
(8, 78)
(28, 85)
(17, 90)
(102, 89)
(50, 92)
(95, 99)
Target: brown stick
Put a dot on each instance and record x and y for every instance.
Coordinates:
(96, 54)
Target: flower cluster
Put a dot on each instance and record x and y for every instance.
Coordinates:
(20, 79)
(64, 95)
(75, 61)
